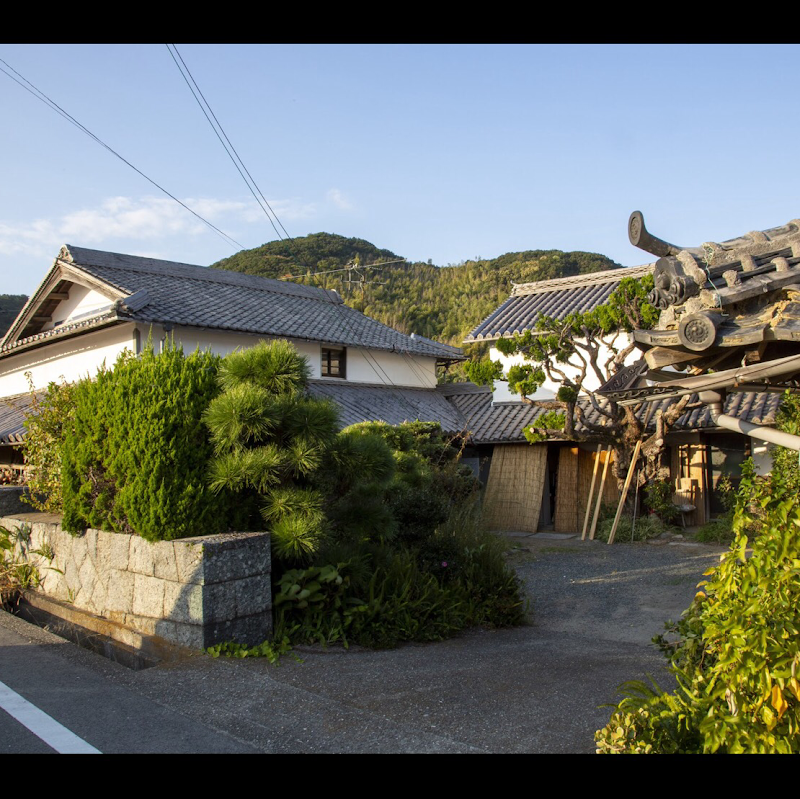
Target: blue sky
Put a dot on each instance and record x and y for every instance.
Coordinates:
(435, 152)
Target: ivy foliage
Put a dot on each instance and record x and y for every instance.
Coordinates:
(737, 657)
(135, 455)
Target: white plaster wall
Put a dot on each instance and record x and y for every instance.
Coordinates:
(762, 458)
(549, 388)
(370, 366)
(221, 342)
(83, 355)
(68, 360)
(390, 368)
(82, 301)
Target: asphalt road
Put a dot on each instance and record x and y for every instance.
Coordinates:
(533, 689)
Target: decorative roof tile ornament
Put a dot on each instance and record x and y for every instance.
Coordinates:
(730, 315)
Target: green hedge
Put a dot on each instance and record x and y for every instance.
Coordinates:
(136, 457)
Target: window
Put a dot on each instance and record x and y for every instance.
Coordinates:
(333, 362)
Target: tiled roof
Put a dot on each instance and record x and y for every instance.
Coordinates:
(487, 423)
(13, 412)
(503, 422)
(555, 298)
(360, 402)
(183, 294)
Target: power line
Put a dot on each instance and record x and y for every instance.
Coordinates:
(40, 95)
(270, 213)
(228, 147)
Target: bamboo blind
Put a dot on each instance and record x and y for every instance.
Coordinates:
(513, 498)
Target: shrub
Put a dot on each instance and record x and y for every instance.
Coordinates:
(381, 595)
(46, 421)
(646, 526)
(135, 458)
(738, 651)
(658, 500)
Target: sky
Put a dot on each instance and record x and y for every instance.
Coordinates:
(436, 152)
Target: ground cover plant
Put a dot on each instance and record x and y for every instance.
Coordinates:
(737, 652)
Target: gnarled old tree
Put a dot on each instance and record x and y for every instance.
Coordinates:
(585, 350)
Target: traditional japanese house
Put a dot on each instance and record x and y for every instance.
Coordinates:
(546, 485)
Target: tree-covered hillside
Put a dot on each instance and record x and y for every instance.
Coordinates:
(443, 303)
(10, 306)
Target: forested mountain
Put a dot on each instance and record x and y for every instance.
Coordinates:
(440, 302)
(10, 306)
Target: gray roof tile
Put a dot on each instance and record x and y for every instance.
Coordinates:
(183, 294)
(361, 403)
(503, 422)
(13, 412)
(555, 298)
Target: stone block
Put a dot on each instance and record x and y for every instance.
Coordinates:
(79, 551)
(189, 560)
(141, 556)
(148, 596)
(90, 538)
(219, 602)
(191, 635)
(119, 591)
(253, 595)
(114, 551)
(233, 556)
(164, 565)
(183, 602)
(142, 624)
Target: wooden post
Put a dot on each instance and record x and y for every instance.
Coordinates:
(600, 494)
(591, 492)
(625, 490)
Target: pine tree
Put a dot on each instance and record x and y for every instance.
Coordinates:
(269, 438)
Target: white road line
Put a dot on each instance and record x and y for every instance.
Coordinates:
(55, 735)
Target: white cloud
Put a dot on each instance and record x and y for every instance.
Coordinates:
(135, 224)
(339, 200)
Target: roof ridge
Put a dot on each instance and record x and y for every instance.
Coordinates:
(160, 266)
(586, 279)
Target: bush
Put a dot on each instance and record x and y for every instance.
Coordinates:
(646, 526)
(382, 595)
(45, 425)
(135, 456)
(738, 652)
(658, 500)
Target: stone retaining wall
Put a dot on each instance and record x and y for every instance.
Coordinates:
(195, 592)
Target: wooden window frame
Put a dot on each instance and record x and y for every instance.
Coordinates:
(326, 366)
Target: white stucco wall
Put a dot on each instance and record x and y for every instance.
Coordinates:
(75, 358)
(82, 302)
(390, 368)
(549, 388)
(222, 342)
(363, 366)
(69, 360)
(762, 457)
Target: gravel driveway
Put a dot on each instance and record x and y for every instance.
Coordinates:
(533, 689)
